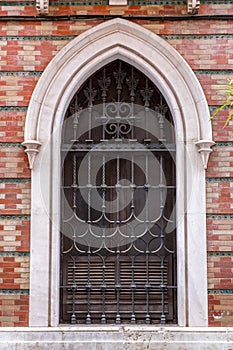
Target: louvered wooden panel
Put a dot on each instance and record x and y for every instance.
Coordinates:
(77, 273)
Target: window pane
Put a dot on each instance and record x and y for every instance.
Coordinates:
(118, 240)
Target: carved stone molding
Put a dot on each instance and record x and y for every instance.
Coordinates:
(42, 7)
(204, 148)
(32, 148)
(193, 6)
(82, 57)
(117, 2)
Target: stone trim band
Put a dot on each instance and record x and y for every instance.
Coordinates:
(42, 6)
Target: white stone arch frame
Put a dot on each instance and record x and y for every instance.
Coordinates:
(64, 75)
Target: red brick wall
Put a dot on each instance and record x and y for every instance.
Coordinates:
(27, 45)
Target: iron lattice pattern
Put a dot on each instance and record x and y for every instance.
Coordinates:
(118, 241)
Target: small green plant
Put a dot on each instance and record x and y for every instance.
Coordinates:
(228, 104)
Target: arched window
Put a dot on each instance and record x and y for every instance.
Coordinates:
(176, 85)
(118, 229)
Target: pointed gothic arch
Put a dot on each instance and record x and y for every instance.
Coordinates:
(118, 39)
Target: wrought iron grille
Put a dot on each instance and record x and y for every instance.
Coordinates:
(118, 237)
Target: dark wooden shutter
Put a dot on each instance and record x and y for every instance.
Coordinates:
(75, 271)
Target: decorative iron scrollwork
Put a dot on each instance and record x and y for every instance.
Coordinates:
(118, 196)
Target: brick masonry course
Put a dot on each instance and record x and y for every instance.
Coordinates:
(220, 233)
(12, 126)
(13, 308)
(161, 9)
(14, 233)
(15, 198)
(13, 161)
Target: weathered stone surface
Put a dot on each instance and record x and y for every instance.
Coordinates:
(116, 338)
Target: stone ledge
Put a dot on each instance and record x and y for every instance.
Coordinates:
(116, 338)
